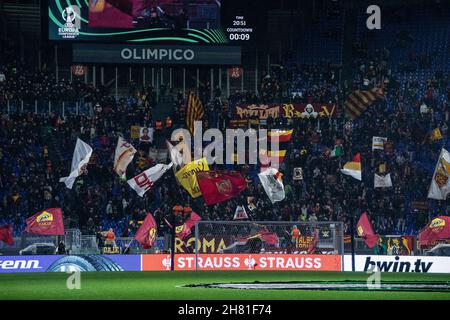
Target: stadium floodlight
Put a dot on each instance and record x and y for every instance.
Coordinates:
(270, 237)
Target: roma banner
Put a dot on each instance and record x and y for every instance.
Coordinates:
(186, 176)
(47, 222)
(297, 110)
(146, 234)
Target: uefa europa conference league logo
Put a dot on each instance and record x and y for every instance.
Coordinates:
(72, 22)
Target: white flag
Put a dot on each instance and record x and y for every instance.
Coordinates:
(440, 183)
(124, 155)
(144, 181)
(272, 183)
(175, 156)
(240, 213)
(378, 143)
(81, 156)
(382, 181)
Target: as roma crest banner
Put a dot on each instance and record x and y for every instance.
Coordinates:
(219, 186)
(47, 222)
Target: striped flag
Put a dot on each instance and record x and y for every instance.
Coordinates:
(280, 135)
(353, 168)
(358, 101)
(194, 112)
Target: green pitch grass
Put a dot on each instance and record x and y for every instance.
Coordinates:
(168, 285)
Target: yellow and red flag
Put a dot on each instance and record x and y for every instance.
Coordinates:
(353, 168)
(185, 229)
(365, 231)
(146, 234)
(47, 222)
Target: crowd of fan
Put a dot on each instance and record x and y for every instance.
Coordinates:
(36, 150)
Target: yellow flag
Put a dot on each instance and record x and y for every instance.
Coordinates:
(187, 178)
(436, 135)
(135, 132)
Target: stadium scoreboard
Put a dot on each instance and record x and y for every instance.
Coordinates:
(239, 31)
(202, 22)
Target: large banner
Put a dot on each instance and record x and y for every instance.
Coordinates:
(210, 262)
(285, 110)
(60, 263)
(217, 244)
(416, 264)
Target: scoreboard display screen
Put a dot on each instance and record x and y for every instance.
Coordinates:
(205, 22)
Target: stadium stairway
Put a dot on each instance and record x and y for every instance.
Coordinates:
(164, 108)
(55, 153)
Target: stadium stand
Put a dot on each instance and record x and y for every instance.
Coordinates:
(411, 66)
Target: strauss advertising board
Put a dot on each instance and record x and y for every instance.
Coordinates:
(231, 262)
(226, 262)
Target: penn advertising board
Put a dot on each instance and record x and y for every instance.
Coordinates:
(60, 263)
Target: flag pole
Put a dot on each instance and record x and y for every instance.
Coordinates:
(172, 244)
(128, 245)
(352, 231)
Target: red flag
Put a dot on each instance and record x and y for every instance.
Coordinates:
(185, 229)
(48, 222)
(146, 234)
(6, 234)
(269, 237)
(365, 231)
(265, 236)
(313, 245)
(437, 229)
(219, 186)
